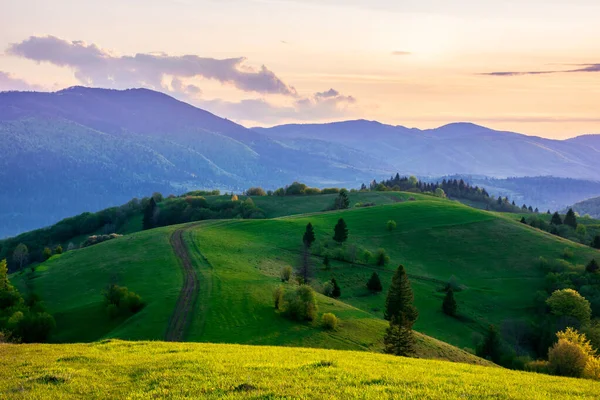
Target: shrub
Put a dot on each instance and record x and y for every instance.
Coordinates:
(278, 296)
(330, 191)
(367, 256)
(123, 300)
(374, 283)
(568, 302)
(286, 273)
(539, 366)
(329, 321)
(256, 191)
(567, 359)
(382, 257)
(312, 191)
(592, 266)
(328, 288)
(58, 249)
(95, 239)
(391, 225)
(568, 253)
(337, 291)
(301, 304)
(47, 253)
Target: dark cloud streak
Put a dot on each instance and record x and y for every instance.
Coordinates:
(586, 68)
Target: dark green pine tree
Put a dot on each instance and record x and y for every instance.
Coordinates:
(399, 340)
(342, 202)
(596, 242)
(336, 292)
(571, 219)
(374, 283)
(592, 266)
(340, 231)
(523, 220)
(491, 346)
(556, 220)
(148, 221)
(449, 305)
(399, 301)
(309, 235)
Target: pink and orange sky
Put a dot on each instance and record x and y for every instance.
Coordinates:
(531, 66)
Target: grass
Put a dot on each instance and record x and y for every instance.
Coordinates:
(141, 370)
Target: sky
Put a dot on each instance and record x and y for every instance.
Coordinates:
(530, 66)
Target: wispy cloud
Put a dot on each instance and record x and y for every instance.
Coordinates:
(10, 82)
(584, 68)
(401, 53)
(93, 65)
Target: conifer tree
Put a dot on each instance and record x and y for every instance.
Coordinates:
(309, 235)
(148, 221)
(592, 266)
(399, 301)
(340, 231)
(556, 220)
(571, 219)
(399, 340)
(596, 242)
(342, 202)
(449, 305)
(374, 283)
(491, 347)
(337, 291)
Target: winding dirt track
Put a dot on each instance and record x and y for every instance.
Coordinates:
(189, 292)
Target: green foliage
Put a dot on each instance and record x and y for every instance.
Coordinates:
(596, 242)
(286, 273)
(278, 296)
(367, 256)
(21, 255)
(490, 347)
(391, 225)
(336, 292)
(570, 219)
(326, 261)
(340, 231)
(47, 253)
(58, 249)
(374, 283)
(342, 202)
(556, 220)
(571, 354)
(399, 302)
(592, 266)
(256, 191)
(449, 306)
(309, 235)
(399, 340)
(149, 215)
(568, 302)
(568, 253)
(120, 301)
(295, 189)
(329, 321)
(300, 304)
(95, 239)
(381, 258)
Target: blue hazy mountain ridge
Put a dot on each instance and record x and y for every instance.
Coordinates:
(84, 149)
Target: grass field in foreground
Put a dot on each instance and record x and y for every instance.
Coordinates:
(142, 370)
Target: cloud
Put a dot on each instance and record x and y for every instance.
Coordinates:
(584, 68)
(401, 53)
(316, 107)
(93, 65)
(9, 82)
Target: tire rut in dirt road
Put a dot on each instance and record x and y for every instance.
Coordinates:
(189, 292)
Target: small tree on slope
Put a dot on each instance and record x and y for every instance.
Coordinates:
(340, 234)
(309, 235)
(402, 314)
(449, 305)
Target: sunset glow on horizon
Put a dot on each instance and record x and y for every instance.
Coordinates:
(528, 66)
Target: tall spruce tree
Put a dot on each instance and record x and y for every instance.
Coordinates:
(596, 242)
(374, 283)
(449, 305)
(148, 221)
(592, 266)
(342, 202)
(399, 301)
(399, 340)
(337, 291)
(571, 219)
(309, 235)
(340, 231)
(556, 220)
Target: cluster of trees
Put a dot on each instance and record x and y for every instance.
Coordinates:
(95, 239)
(120, 301)
(567, 227)
(22, 319)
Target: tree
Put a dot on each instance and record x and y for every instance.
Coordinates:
(374, 283)
(148, 220)
(337, 291)
(571, 219)
(301, 304)
(399, 340)
(256, 191)
(342, 202)
(367, 256)
(47, 253)
(286, 273)
(309, 235)
(596, 242)
(305, 270)
(592, 266)
(439, 192)
(326, 261)
(491, 346)
(449, 305)
(329, 321)
(571, 354)
(523, 220)
(340, 231)
(569, 303)
(58, 249)
(382, 258)
(399, 301)
(21, 255)
(556, 220)
(391, 225)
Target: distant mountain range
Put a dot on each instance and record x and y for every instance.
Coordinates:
(82, 149)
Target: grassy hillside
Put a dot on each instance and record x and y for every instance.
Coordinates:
(494, 258)
(116, 369)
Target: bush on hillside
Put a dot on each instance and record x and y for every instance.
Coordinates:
(286, 273)
(391, 225)
(382, 258)
(570, 355)
(256, 191)
(569, 303)
(329, 321)
(278, 296)
(95, 239)
(121, 301)
(300, 304)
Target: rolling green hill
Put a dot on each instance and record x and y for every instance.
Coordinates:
(140, 370)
